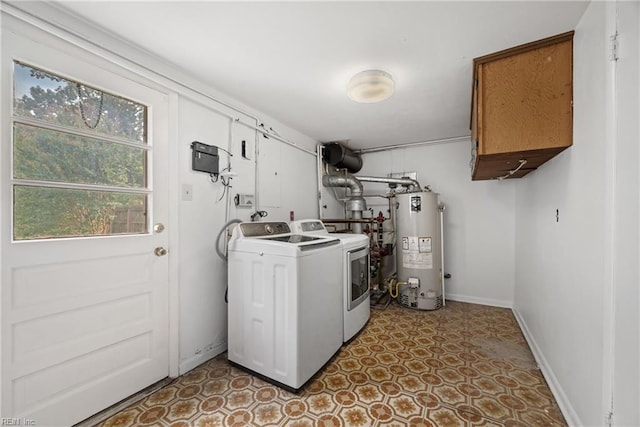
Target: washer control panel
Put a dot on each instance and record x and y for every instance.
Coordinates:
(308, 226)
(256, 229)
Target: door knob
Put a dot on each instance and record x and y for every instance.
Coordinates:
(160, 251)
(158, 228)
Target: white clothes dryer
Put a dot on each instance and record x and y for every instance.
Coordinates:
(284, 302)
(355, 276)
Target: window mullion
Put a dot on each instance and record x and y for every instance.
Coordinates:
(74, 186)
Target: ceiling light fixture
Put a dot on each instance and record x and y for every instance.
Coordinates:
(370, 86)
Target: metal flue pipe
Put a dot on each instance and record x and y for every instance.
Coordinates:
(344, 180)
(412, 183)
(356, 203)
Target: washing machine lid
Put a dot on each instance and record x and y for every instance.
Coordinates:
(315, 227)
(293, 238)
(275, 238)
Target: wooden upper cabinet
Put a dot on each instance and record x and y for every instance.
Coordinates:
(522, 107)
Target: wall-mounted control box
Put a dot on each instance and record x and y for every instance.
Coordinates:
(204, 158)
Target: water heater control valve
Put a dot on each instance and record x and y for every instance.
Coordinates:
(413, 282)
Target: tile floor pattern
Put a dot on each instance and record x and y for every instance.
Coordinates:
(462, 365)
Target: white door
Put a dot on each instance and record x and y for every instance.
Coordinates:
(84, 318)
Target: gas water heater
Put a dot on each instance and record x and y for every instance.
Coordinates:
(419, 250)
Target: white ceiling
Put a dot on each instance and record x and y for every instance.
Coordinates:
(292, 60)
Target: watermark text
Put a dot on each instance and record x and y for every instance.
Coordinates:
(17, 422)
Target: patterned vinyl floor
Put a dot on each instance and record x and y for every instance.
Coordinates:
(462, 365)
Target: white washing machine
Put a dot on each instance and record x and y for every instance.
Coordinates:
(355, 274)
(284, 302)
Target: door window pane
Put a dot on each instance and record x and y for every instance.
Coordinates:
(45, 96)
(48, 155)
(41, 213)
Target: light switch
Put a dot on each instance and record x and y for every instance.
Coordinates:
(187, 192)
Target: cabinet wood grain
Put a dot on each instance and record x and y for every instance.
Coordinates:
(522, 107)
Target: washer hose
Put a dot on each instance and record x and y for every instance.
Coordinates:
(221, 254)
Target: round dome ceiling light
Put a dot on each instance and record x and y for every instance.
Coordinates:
(370, 86)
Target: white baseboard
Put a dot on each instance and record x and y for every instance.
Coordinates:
(199, 359)
(481, 301)
(570, 415)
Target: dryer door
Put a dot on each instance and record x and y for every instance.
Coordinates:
(358, 289)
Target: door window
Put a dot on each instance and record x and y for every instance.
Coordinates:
(359, 272)
(80, 159)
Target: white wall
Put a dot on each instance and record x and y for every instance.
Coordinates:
(286, 182)
(202, 274)
(479, 217)
(560, 266)
(569, 270)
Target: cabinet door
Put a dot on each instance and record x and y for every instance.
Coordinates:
(524, 100)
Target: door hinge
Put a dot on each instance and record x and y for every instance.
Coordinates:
(613, 47)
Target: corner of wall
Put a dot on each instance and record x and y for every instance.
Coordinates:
(563, 401)
(199, 359)
(562, 283)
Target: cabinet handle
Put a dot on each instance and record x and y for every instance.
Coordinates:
(511, 172)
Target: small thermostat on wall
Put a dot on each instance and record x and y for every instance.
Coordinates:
(244, 200)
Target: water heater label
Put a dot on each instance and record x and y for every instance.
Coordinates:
(424, 244)
(417, 252)
(416, 203)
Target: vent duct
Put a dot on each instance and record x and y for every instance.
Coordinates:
(341, 157)
(356, 203)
